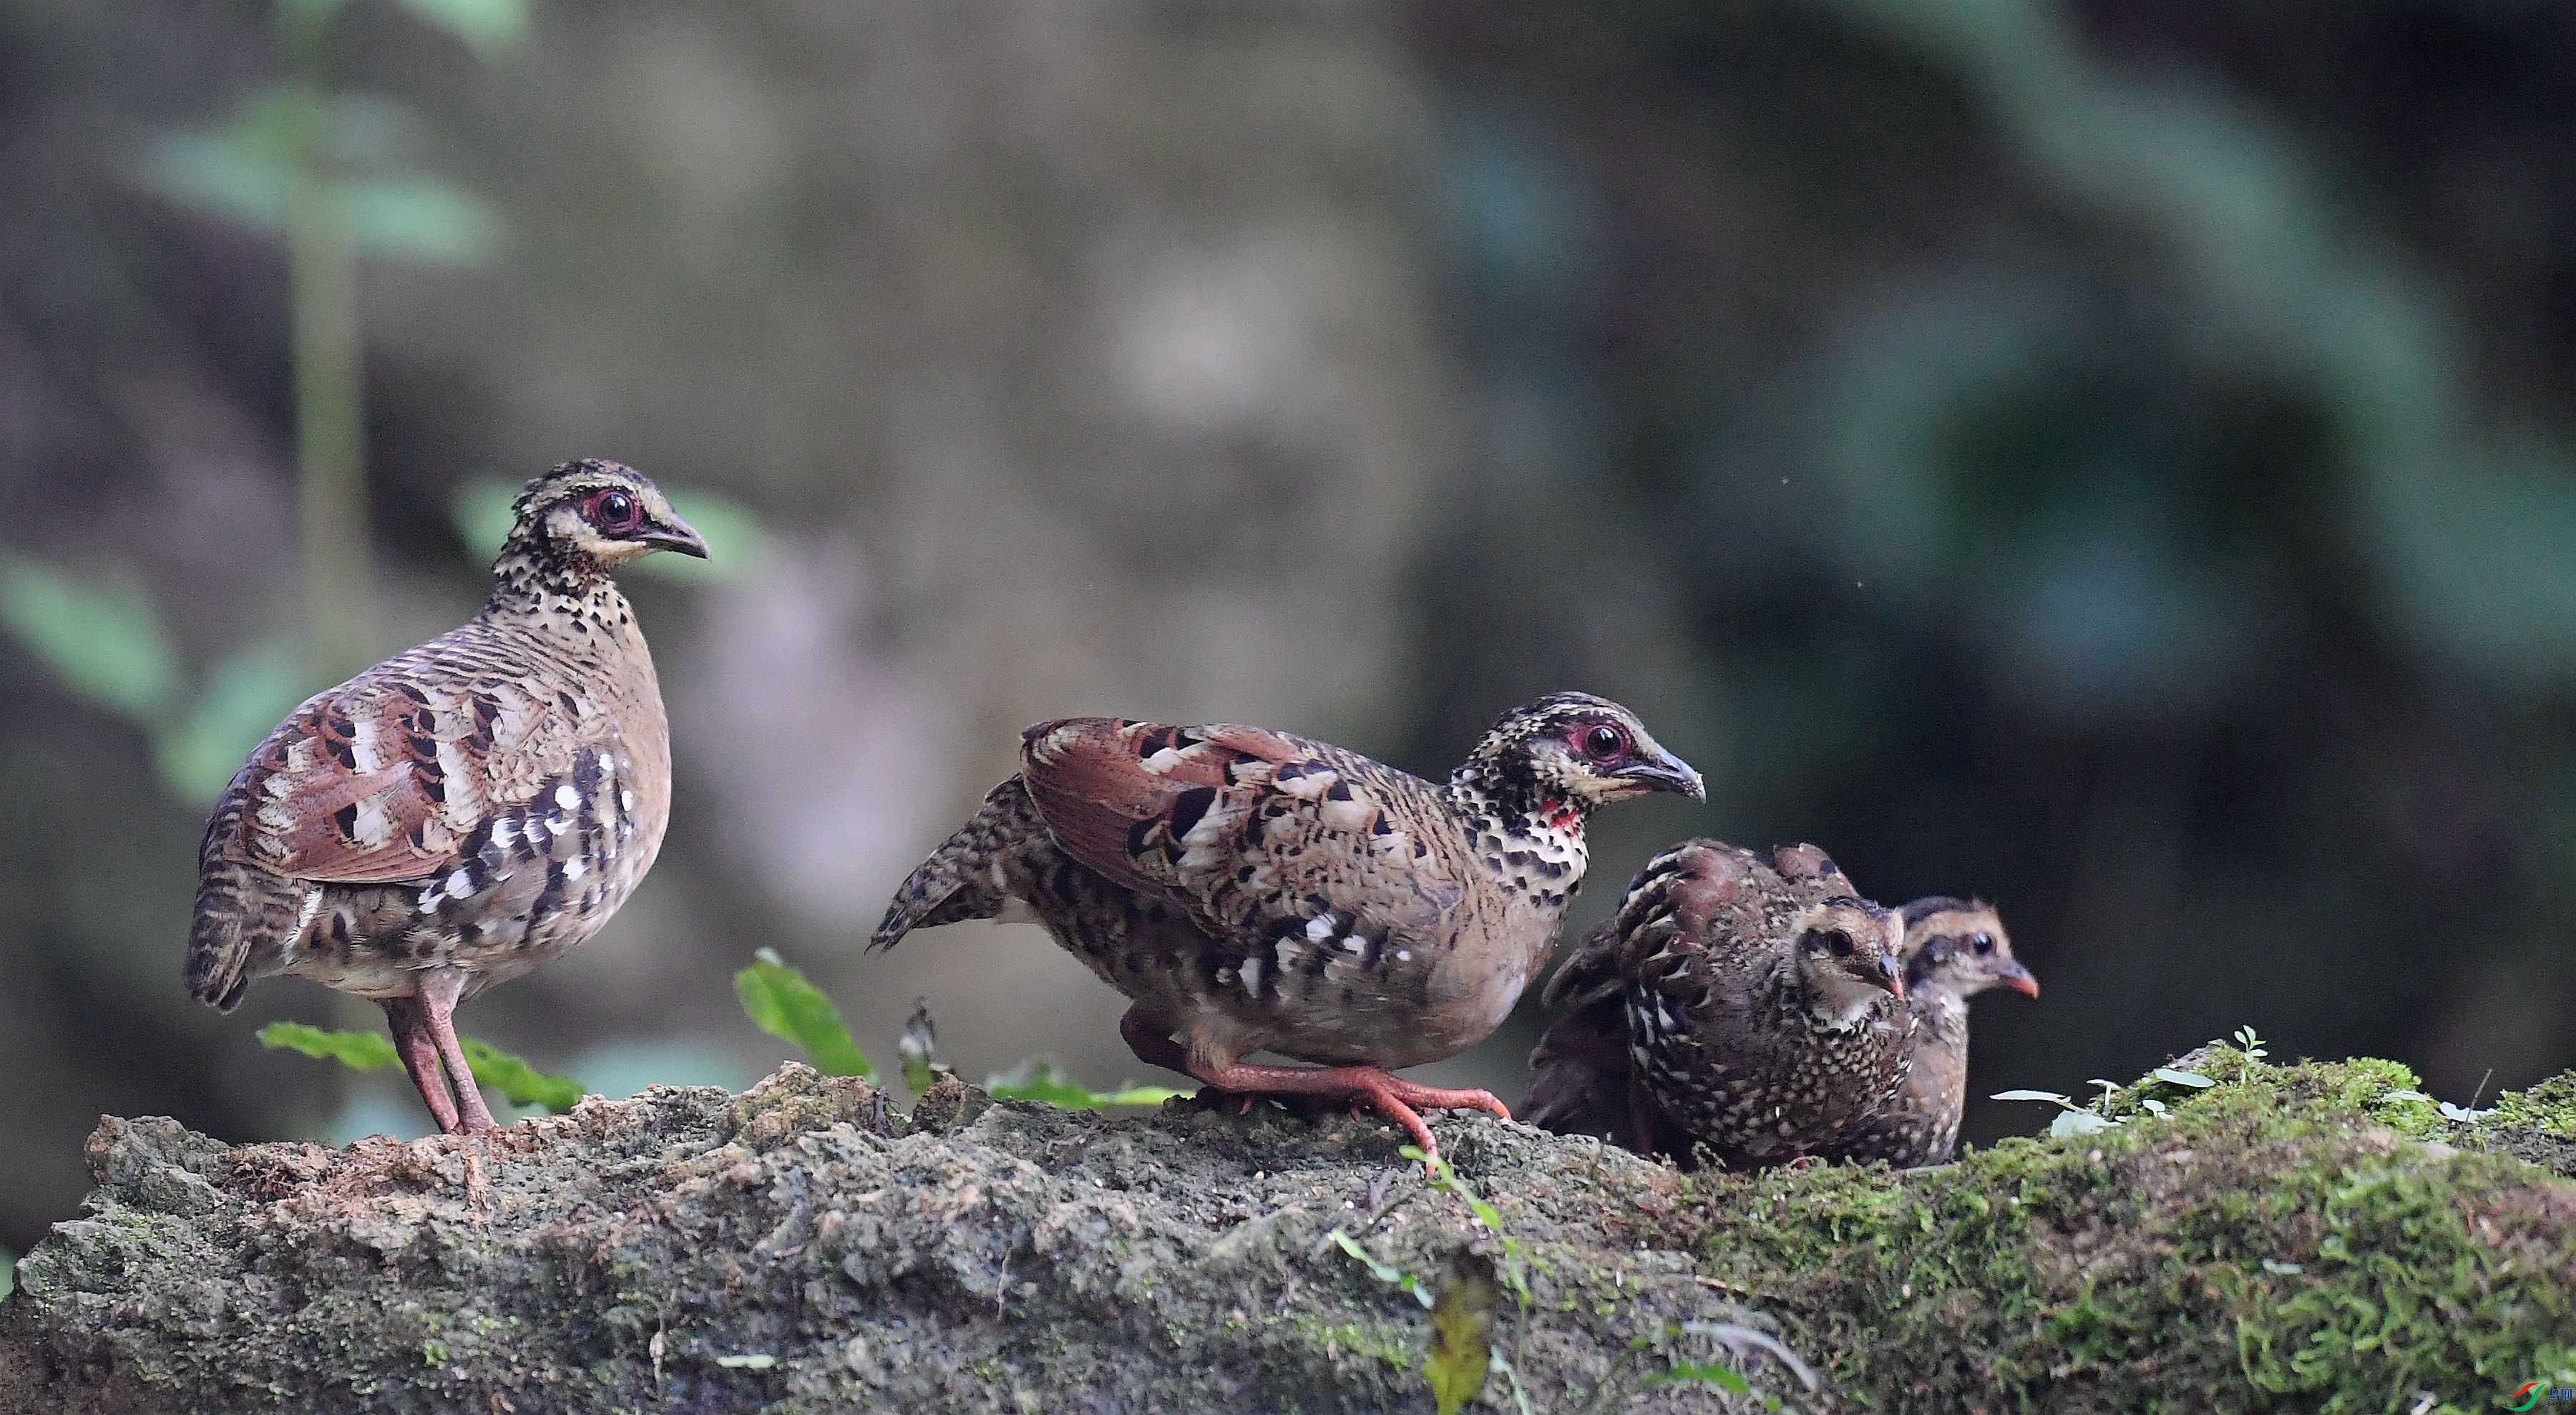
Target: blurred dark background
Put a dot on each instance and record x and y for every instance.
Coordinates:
(2115, 459)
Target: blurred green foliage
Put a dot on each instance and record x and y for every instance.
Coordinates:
(780, 1001)
(335, 175)
(481, 513)
(493, 1068)
(359, 1051)
(108, 647)
(250, 170)
(523, 1084)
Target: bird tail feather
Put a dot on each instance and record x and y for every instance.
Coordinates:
(967, 876)
(244, 918)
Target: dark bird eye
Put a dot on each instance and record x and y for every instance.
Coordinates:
(614, 511)
(1833, 941)
(1604, 742)
(1985, 944)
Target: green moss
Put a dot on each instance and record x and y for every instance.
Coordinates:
(2118, 1269)
(2549, 1107)
(1398, 1350)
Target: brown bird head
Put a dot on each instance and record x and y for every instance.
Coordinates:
(1958, 946)
(1578, 750)
(594, 513)
(1848, 948)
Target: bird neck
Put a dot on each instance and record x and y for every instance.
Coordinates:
(1940, 1017)
(1824, 997)
(538, 580)
(1533, 837)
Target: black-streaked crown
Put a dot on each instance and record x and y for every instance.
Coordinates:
(578, 520)
(1573, 749)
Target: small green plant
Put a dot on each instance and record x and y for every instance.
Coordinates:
(780, 1001)
(1444, 1180)
(1462, 1352)
(1708, 1372)
(2073, 1119)
(1044, 1081)
(493, 1068)
(1380, 1269)
(2250, 1043)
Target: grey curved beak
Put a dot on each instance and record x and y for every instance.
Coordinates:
(1665, 773)
(676, 534)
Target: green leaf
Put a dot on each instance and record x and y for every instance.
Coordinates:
(523, 1084)
(218, 173)
(1043, 1081)
(481, 514)
(248, 695)
(2078, 1122)
(1385, 1272)
(782, 1003)
(359, 1051)
(103, 645)
(490, 27)
(1462, 1322)
(2192, 1079)
(421, 219)
(1707, 1371)
(2052, 1097)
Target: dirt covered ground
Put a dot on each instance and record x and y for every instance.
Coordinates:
(2307, 1237)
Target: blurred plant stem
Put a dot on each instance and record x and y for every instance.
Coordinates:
(330, 431)
(330, 438)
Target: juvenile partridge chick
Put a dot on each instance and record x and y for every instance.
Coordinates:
(1763, 1004)
(463, 811)
(1954, 949)
(1254, 891)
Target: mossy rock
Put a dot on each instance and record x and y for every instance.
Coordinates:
(2304, 1238)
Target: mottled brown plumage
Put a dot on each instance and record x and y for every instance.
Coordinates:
(1254, 891)
(1761, 1004)
(467, 809)
(1954, 949)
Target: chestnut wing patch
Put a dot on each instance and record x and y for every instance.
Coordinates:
(382, 782)
(1247, 829)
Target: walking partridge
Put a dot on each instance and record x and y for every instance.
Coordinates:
(463, 811)
(1762, 1003)
(1254, 891)
(1954, 949)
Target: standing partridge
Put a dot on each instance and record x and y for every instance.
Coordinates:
(1762, 1003)
(1254, 891)
(1954, 949)
(463, 811)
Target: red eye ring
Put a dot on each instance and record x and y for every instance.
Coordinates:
(613, 511)
(1603, 742)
